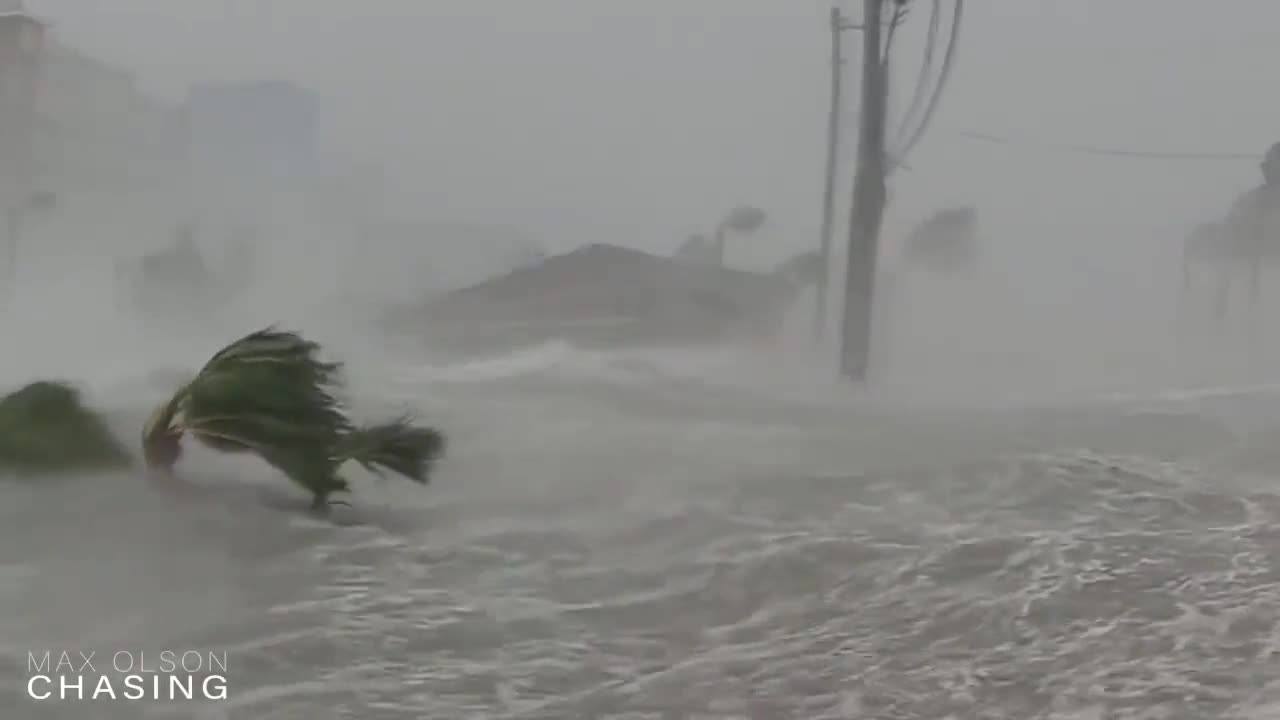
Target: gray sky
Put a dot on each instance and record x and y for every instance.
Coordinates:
(638, 122)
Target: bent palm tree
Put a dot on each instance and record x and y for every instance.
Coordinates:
(695, 250)
(946, 240)
(268, 394)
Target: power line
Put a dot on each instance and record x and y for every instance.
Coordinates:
(918, 97)
(1104, 151)
(926, 110)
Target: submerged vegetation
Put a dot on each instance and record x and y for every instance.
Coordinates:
(270, 395)
(46, 428)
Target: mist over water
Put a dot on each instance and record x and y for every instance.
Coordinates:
(685, 533)
(1054, 500)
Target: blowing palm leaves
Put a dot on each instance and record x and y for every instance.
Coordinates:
(45, 428)
(268, 394)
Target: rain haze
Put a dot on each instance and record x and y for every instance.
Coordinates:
(578, 238)
(636, 125)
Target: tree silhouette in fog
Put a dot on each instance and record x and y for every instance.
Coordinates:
(741, 220)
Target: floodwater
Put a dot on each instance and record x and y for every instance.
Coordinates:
(609, 540)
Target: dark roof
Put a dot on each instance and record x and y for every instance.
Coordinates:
(15, 10)
(268, 88)
(24, 16)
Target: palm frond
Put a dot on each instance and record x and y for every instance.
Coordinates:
(164, 418)
(398, 446)
(162, 435)
(313, 471)
(287, 351)
(269, 394)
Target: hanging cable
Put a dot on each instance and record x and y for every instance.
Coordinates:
(1108, 151)
(922, 79)
(899, 15)
(948, 61)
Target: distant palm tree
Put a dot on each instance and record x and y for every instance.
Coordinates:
(700, 249)
(1241, 244)
(742, 220)
(1208, 245)
(695, 249)
(946, 240)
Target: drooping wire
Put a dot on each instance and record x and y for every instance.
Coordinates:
(1107, 151)
(895, 20)
(922, 79)
(913, 121)
(948, 62)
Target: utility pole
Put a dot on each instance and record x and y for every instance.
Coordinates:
(867, 213)
(838, 26)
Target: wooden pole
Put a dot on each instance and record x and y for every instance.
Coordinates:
(828, 196)
(867, 213)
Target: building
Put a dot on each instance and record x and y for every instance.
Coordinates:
(101, 131)
(76, 136)
(22, 37)
(68, 121)
(22, 45)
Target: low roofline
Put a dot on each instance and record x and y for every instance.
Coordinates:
(24, 15)
(243, 85)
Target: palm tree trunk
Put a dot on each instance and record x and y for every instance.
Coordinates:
(13, 233)
(717, 245)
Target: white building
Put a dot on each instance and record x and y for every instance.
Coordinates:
(101, 130)
(79, 132)
(69, 122)
(22, 38)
